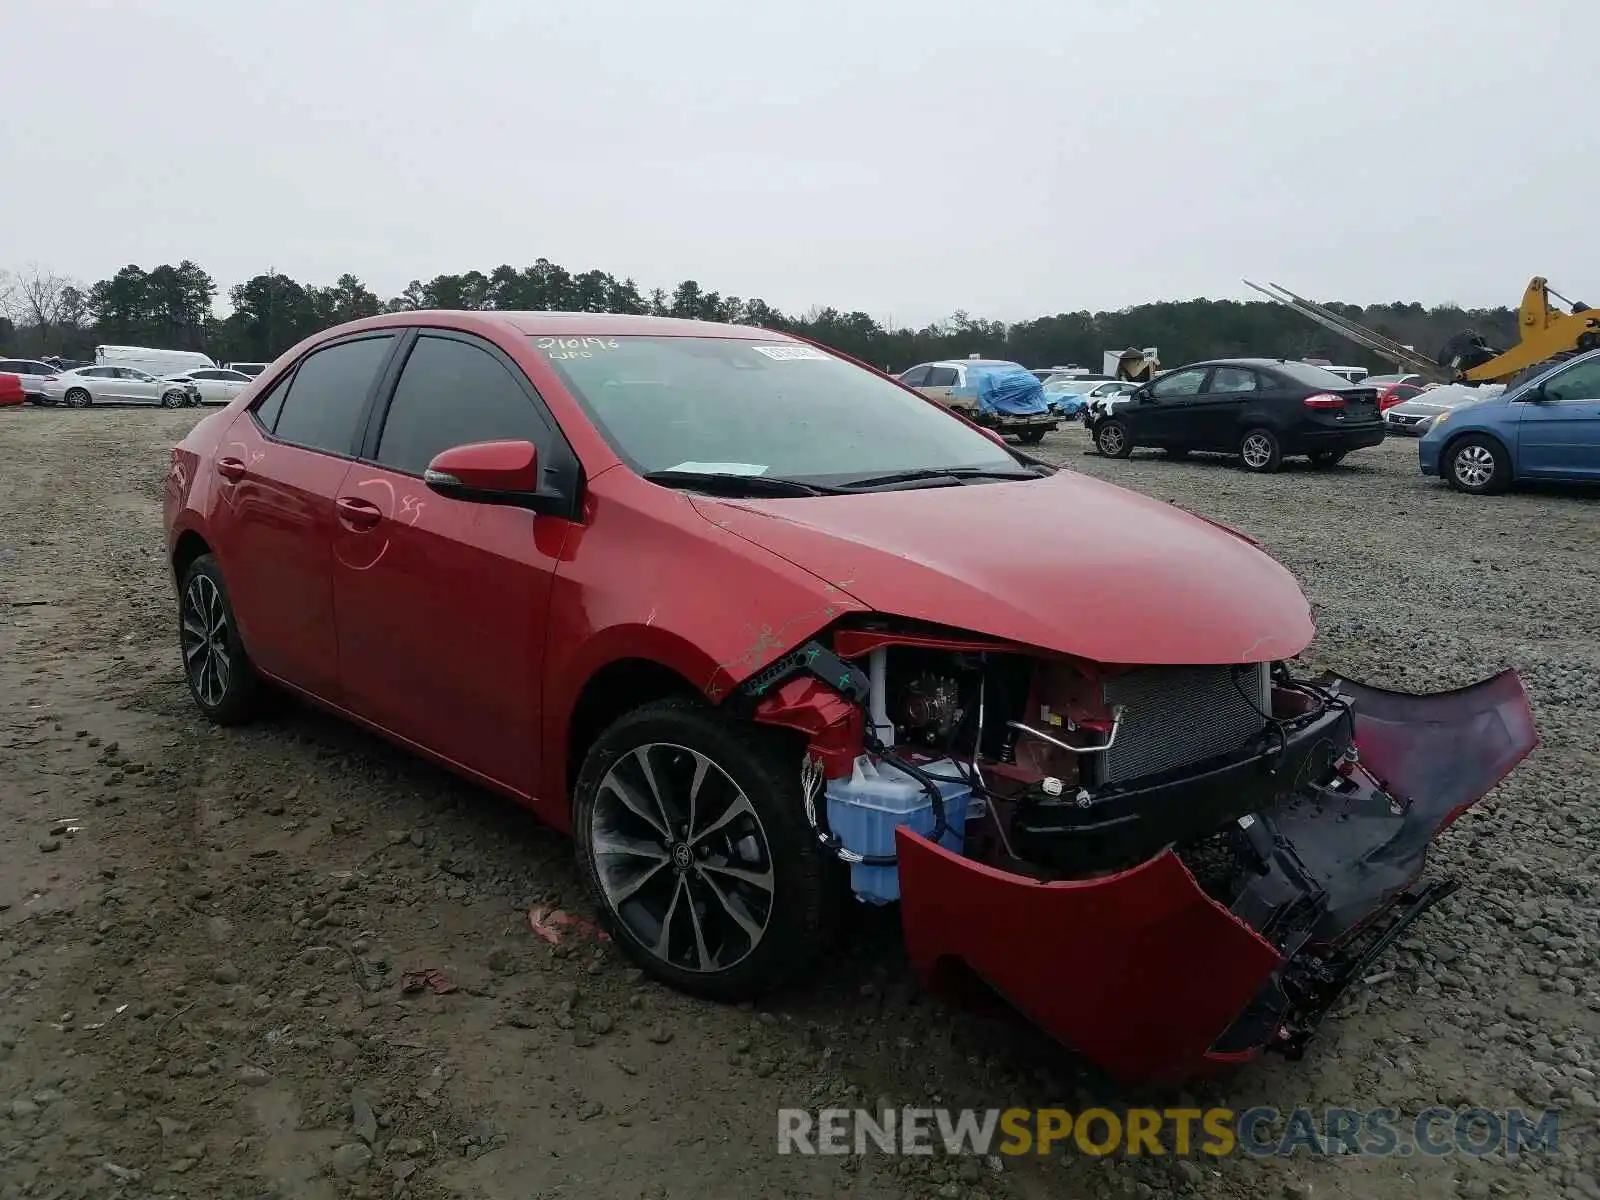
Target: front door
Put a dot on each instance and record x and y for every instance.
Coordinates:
(279, 468)
(1159, 415)
(441, 604)
(1558, 435)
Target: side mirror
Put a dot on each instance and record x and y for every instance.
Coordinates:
(491, 473)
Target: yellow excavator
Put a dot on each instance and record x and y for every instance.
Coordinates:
(1546, 333)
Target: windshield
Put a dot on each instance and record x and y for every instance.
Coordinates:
(783, 409)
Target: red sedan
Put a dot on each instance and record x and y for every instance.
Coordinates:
(761, 627)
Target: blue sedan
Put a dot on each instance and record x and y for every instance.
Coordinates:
(1545, 428)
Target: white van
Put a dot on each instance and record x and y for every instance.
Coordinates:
(159, 363)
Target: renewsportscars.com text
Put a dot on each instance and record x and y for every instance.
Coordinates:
(1217, 1132)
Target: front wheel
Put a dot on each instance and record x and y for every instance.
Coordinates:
(1477, 465)
(1111, 438)
(1259, 451)
(220, 676)
(173, 399)
(1326, 458)
(690, 834)
(78, 398)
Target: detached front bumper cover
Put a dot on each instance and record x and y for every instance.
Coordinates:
(1154, 980)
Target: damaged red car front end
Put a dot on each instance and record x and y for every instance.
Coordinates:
(1205, 893)
(1218, 947)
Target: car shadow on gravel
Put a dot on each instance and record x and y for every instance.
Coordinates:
(865, 981)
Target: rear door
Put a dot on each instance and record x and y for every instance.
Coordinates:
(441, 604)
(1558, 436)
(279, 469)
(1217, 416)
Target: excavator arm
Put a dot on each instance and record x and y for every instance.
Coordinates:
(1544, 332)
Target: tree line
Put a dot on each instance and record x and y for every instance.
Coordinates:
(172, 307)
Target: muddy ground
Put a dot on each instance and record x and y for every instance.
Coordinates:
(203, 932)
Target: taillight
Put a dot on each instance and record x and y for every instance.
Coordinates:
(1324, 400)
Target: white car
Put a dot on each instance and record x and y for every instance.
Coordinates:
(217, 385)
(83, 386)
(32, 373)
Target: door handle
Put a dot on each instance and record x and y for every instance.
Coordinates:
(230, 468)
(357, 513)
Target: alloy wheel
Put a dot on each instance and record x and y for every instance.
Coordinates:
(682, 858)
(1474, 466)
(1111, 440)
(204, 632)
(1256, 451)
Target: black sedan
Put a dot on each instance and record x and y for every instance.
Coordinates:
(1261, 409)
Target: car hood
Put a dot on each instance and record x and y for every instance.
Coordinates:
(1064, 563)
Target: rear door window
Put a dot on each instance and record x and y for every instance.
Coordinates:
(1230, 380)
(328, 395)
(452, 393)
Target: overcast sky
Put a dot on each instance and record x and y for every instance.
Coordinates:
(905, 157)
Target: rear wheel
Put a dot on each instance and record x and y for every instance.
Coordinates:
(1477, 465)
(689, 832)
(220, 676)
(1259, 451)
(1326, 458)
(1111, 438)
(1031, 437)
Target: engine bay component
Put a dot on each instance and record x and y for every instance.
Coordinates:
(929, 707)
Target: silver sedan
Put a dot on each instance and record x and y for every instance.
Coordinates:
(218, 385)
(83, 386)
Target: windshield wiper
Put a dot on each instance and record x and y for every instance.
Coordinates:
(955, 474)
(729, 484)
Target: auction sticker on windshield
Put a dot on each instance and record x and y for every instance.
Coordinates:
(700, 468)
(787, 353)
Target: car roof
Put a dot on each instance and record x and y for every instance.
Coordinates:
(974, 362)
(562, 324)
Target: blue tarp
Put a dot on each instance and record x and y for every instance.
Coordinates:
(1010, 391)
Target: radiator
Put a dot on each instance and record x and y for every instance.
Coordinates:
(1175, 716)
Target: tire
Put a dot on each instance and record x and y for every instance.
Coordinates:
(1031, 437)
(1111, 439)
(1326, 458)
(751, 785)
(1259, 451)
(173, 399)
(78, 398)
(221, 679)
(1477, 465)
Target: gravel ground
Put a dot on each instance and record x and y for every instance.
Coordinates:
(203, 933)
